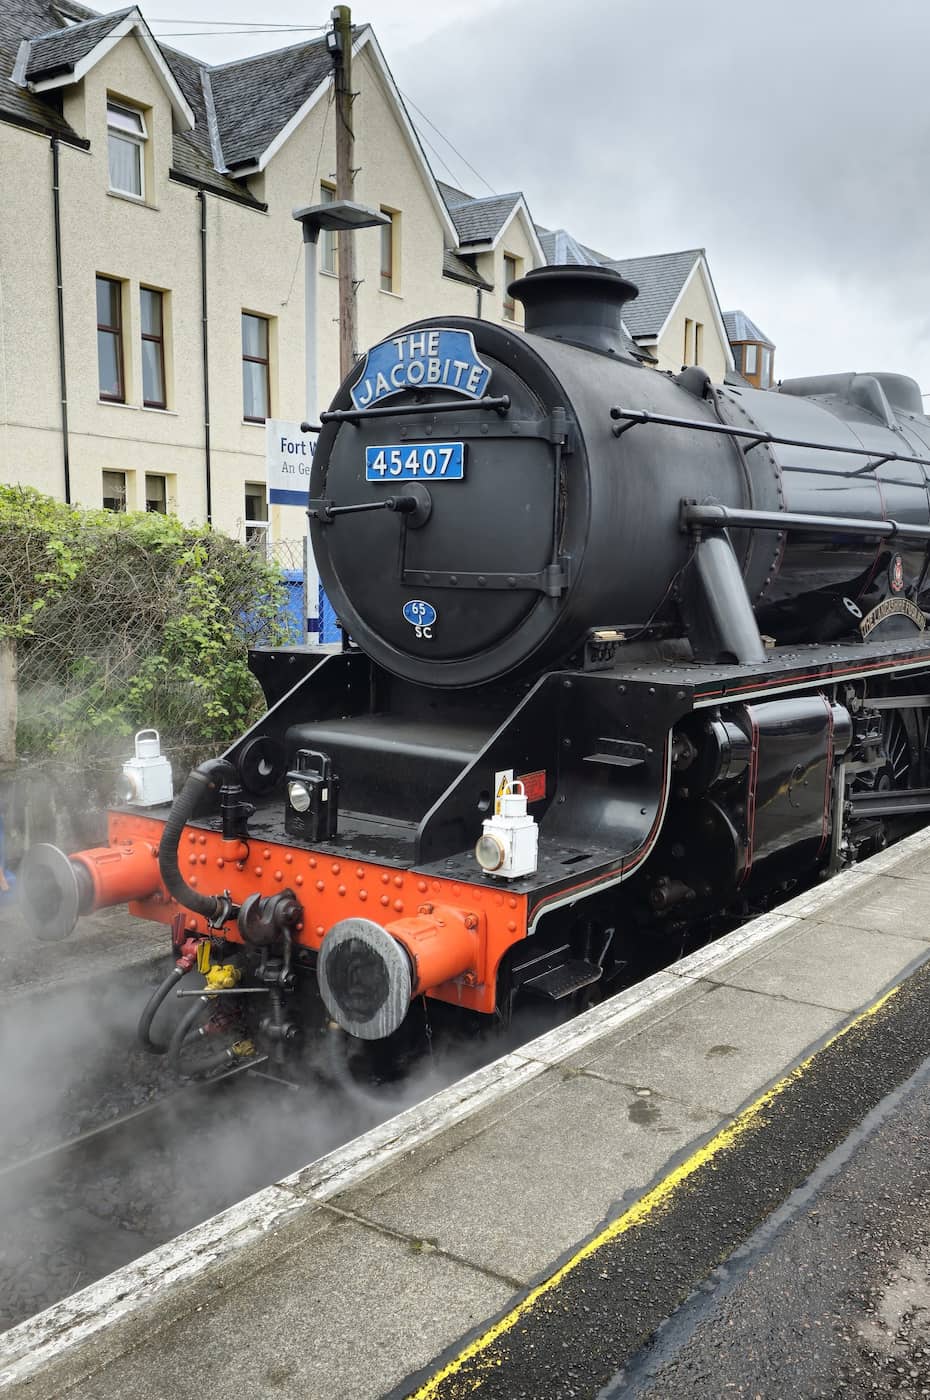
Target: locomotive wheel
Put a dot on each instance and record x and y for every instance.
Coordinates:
(902, 769)
(899, 755)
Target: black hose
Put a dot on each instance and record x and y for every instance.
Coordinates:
(143, 1031)
(181, 1032)
(209, 777)
(206, 1065)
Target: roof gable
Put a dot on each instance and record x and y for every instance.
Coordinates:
(482, 223)
(255, 98)
(64, 55)
(369, 42)
(661, 279)
(479, 220)
(285, 117)
(236, 116)
(60, 50)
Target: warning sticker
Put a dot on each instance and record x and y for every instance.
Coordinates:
(503, 787)
(534, 785)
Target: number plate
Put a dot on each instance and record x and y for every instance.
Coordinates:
(416, 461)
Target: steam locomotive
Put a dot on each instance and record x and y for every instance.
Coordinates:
(623, 650)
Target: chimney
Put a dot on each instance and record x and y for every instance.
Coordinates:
(580, 305)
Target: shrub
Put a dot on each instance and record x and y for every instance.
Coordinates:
(124, 621)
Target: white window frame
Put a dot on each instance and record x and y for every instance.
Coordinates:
(137, 139)
(750, 352)
(124, 495)
(255, 530)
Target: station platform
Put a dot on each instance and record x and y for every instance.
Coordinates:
(525, 1232)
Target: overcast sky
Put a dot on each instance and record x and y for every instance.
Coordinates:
(790, 141)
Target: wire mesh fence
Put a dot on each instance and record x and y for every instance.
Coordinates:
(120, 623)
(311, 615)
(125, 620)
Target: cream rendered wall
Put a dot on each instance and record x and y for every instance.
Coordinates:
(155, 243)
(388, 175)
(30, 438)
(255, 263)
(515, 240)
(695, 305)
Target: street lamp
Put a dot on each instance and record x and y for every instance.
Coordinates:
(341, 216)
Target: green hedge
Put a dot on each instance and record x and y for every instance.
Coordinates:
(123, 621)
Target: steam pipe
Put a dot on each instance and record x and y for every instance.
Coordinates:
(207, 778)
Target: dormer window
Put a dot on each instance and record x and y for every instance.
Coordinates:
(126, 138)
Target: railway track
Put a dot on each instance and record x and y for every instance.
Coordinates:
(78, 1209)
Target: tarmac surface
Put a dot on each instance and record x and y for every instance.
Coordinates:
(528, 1231)
(847, 1261)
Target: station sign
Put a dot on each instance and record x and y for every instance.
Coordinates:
(289, 457)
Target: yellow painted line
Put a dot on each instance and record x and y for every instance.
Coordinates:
(657, 1199)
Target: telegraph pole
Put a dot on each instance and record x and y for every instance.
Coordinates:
(345, 181)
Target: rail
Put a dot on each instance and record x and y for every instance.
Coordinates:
(714, 517)
(627, 418)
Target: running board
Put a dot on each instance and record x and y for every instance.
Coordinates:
(890, 804)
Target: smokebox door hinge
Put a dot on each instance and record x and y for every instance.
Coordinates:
(553, 580)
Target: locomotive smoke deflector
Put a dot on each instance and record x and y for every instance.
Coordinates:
(581, 305)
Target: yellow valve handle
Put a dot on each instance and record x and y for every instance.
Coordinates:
(222, 977)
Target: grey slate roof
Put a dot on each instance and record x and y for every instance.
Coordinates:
(256, 97)
(462, 271)
(660, 280)
(18, 20)
(57, 46)
(59, 50)
(739, 327)
(478, 220)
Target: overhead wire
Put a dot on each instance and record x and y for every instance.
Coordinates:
(277, 27)
(313, 185)
(427, 142)
(443, 137)
(264, 24)
(227, 33)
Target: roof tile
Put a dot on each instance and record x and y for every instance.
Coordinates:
(478, 220)
(660, 279)
(60, 49)
(256, 97)
(739, 327)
